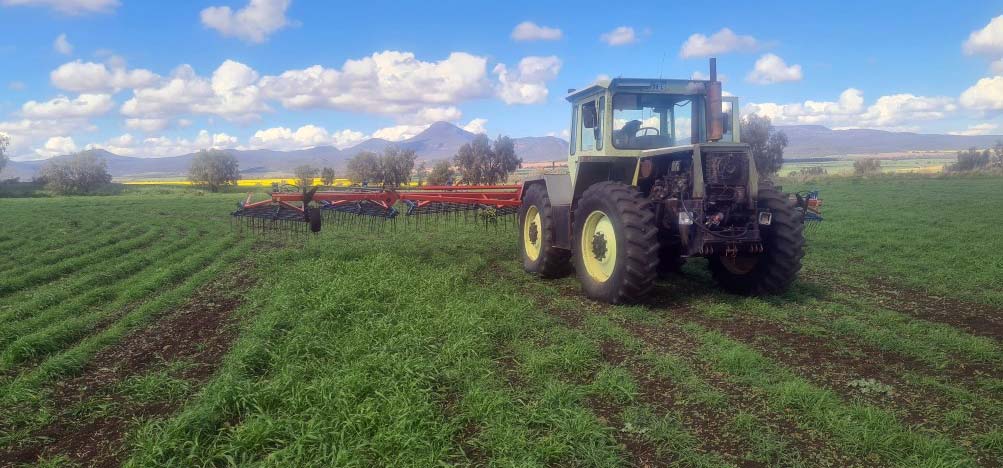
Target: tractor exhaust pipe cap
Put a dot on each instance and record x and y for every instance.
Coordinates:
(715, 122)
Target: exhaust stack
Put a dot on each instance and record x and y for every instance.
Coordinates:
(715, 124)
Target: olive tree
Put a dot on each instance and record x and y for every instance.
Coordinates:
(765, 142)
(327, 176)
(77, 173)
(214, 169)
(442, 174)
(364, 167)
(305, 174)
(481, 162)
(4, 144)
(396, 165)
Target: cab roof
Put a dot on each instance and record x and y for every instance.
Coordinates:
(644, 85)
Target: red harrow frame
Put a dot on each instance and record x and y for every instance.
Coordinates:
(306, 210)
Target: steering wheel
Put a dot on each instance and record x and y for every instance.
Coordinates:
(645, 130)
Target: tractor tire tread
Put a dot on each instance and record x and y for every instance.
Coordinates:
(640, 238)
(785, 249)
(554, 262)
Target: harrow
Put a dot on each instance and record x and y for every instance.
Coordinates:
(377, 208)
(809, 206)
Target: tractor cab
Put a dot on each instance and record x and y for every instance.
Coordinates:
(624, 116)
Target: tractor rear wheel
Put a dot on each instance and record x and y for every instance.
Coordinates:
(537, 236)
(615, 243)
(772, 271)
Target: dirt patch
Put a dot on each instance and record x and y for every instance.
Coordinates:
(972, 317)
(708, 425)
(199, 333)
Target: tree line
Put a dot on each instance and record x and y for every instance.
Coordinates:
(480, 161)
(973, 159)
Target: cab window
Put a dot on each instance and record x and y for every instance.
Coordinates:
(591, 126)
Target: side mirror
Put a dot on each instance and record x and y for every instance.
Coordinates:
(589, 115)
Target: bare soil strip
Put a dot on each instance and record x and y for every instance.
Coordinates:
(972, 317)
(198, 333)
(709, 425)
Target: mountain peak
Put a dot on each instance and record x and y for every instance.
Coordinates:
(440, 130)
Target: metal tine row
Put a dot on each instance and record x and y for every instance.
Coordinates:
(375, 218)
(434, 215)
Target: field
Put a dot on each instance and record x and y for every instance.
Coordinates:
(889, 165)
(140, 329)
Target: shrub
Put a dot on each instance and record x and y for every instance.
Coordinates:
(213, 169)
(867, 166)
(78, 173)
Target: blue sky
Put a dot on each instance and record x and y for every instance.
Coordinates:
(152, 78)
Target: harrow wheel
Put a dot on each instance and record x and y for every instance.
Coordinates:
(615, 243)
(772, 271)
(314, 218)
(536, 236)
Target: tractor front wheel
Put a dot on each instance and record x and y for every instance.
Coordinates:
(537, 236)
(772, 271)
(615, 243)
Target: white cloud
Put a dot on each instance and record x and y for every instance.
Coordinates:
(698, 75)
(56, 146)
(433, 114)
(70, 7)
(387, 83)
(253, 23)
(61, 107)
(25, 134)
(147, 125)
(90, 77)
(346, 138)
(528, 83)
(996, 67)
(307, 136)
(771, 69)
(887, 112)
(978, 129)
(986, 41)
(129, 145)
(62, 45)
(477, 126)
(622, 35)
(232, 93)
(399, 132)
(530, 31)
(721, 42)
(563, 134)
(986, 94)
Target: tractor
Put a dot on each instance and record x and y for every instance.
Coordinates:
(657, 174)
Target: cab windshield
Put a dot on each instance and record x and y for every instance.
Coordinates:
(648, 121)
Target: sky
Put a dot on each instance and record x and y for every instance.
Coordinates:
(154, 78)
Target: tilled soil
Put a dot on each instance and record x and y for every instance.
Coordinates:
(199, 334)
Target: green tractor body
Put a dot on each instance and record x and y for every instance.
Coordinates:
(658, 174)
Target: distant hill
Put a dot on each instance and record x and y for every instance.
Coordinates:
(442, 140)
(819, 141)
(439, 141)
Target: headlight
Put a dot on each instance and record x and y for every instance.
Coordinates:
(765, 218)
(685, 219)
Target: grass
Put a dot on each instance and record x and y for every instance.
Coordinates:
(433, 348)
